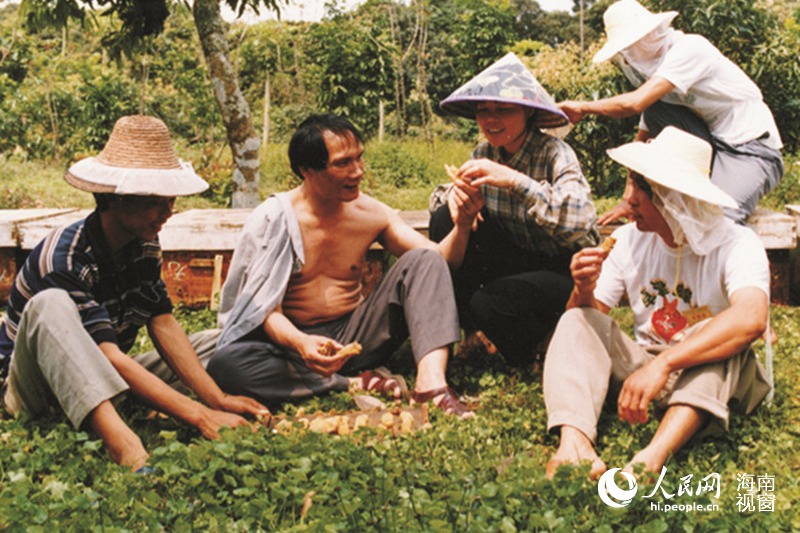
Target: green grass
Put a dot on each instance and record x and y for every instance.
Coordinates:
(485, 474)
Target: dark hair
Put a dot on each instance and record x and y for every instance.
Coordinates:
(307, 148)
(103, 200)
(642, 183)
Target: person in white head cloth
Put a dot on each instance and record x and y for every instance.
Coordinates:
(683, 80)
(698, 285)
(84, 292)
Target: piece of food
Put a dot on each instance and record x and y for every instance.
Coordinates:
(452, 172)
(349, 350)
(387, 420)
(361, 422)
(406, 422)
(608, 244)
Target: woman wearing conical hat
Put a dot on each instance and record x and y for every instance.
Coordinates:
(514, 280)
(684, 81)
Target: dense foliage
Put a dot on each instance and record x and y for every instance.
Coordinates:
(481, 475)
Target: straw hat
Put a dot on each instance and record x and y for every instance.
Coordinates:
(676, 160)
(507, 81)
(626, 22)
(137, 159)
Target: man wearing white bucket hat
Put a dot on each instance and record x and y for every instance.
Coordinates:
(684, 81)
(84, 292)
(698, 285)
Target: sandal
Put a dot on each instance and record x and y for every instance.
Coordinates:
(376, 380)
(450, 403)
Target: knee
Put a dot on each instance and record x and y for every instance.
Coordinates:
(51, 301)
(220, 366)
(426, 258)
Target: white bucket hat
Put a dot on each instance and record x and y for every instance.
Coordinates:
(676, 160)
(626, 22)
(138, 159)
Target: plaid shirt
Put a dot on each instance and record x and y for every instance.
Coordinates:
(550, 209)
(114, 299)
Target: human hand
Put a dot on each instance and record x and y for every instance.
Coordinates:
(639, 389)
(585, 268)
(313, 350)
(241, 405)
(619, 211)
(487, 172)
(465, 204)
(210, 421)
(572, 109)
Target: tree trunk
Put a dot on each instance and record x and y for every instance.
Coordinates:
(242, 136)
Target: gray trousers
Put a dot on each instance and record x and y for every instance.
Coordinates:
(414, 298)
(589, 354)
(57, 364)
(746, 171)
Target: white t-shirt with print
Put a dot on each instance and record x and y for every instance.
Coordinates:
(717, 90)
(643, 268)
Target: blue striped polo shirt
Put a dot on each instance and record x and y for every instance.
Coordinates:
(114, 298)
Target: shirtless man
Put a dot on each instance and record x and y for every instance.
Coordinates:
(295, 284)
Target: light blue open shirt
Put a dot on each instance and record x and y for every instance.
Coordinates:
(269, 250)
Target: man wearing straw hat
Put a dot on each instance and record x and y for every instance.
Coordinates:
(684, 81)
(698, 285)
(84, 292)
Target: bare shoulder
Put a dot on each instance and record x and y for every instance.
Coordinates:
(376, 211)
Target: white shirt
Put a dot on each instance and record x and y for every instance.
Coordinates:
(643, 268)
(717, 90)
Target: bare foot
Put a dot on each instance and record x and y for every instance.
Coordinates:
(575, 448)
(652, 461)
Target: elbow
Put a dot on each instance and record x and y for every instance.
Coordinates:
(753, 328)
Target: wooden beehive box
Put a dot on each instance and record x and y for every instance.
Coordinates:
(18, 229)
(197, 246)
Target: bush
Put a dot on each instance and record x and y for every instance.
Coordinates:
(568, 75)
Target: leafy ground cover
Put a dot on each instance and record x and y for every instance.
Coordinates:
(485, 474)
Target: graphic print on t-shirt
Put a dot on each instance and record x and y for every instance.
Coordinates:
(666, 320)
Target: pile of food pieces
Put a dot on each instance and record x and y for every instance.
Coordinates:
(397, 420)
(374, 414)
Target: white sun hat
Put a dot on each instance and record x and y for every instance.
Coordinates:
(626, 22)
(138, 159)
(676, 160)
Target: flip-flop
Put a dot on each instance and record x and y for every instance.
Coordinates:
(375, 380)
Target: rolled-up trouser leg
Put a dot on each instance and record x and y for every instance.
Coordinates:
(739, 382)
(579, 366)
(56, 361)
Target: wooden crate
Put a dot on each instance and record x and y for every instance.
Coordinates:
(12, 230)
(198, 245)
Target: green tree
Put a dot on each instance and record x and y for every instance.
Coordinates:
(138, 23)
